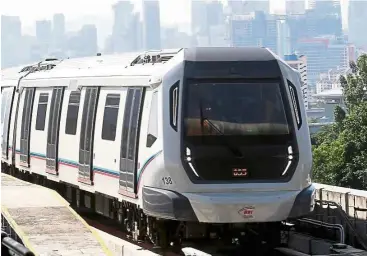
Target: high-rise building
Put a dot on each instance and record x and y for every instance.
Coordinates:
(88, 40)
(10, 27)
(58, 25)
(357, 14)
(255, 29)
(198, 17)
(151, 25)
(352, 53)
(43, 31)
(207, 19)
(295, 7)
(299, 63)
(322, 54)
(239, 7)
(324, 19)
(312, 4)
(124, 34)
(58, 32)
(11, 34)
(283, 39)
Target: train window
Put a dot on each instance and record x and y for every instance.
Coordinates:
(72, 114)
(295, 103)
(153, 121)
(41, 111)
(174, 94)
(111, 111)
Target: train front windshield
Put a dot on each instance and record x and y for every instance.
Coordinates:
(236, 125)
(235, 109)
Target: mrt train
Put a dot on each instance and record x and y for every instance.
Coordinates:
(173, 144)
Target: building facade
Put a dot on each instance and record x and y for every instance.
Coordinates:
(299, 63)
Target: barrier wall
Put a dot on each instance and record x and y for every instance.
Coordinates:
(352, 201)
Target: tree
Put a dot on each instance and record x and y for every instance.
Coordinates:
(340, 149)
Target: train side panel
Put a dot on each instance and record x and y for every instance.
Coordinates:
(69, 136)
(107, 140)
(39, 129)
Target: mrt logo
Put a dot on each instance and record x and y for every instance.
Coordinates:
(247, 212)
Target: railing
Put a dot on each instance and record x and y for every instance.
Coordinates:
(361, 239)
(337, 227)
(11, 247)
(11, 243)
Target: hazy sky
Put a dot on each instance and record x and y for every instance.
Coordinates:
(99, 12)
(31, 10)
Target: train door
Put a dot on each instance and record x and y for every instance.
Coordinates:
(130, 139)
(26, 127)
(106, 152)
(6, 110)
(87, 135)
(53, 130)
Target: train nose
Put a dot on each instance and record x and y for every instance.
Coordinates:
(251, 206)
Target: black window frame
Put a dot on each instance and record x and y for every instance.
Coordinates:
(106, 132)
(295, 103)
(41, 123)
(174, 94)
(71, 130)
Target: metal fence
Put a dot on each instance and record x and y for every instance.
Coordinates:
(11, 244)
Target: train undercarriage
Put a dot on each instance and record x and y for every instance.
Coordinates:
(162, 234)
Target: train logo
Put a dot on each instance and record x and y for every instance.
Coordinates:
(247, 212)
(239, 172)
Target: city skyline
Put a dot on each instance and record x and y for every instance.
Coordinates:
(102, 9)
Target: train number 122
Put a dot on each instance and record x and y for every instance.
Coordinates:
(167, 180)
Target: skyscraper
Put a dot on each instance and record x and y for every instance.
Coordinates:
(43, 31)
(284, 38)
(124, 34)
(151, 25)
(357, 23)
(58, 31)
(248, 6)
(207, 20)
(295, 6)
(256, 29)
(58, 25)
(299, 63)
(11, 34)
(88, 40)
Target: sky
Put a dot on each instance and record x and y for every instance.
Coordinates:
(99, 12)
(31, 10)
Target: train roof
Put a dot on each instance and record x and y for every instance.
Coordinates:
(136, 64)
(229, 54)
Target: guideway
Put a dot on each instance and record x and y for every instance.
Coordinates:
(44, 221)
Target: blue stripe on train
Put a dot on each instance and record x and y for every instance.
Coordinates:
(97, 168)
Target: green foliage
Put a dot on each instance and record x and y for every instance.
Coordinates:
(340, 149)
(312, 120)
(339, 115)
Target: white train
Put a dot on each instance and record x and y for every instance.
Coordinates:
(200, 138)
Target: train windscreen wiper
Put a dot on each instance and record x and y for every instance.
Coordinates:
(232, 148)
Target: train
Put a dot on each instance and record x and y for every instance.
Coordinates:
(175, 144)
